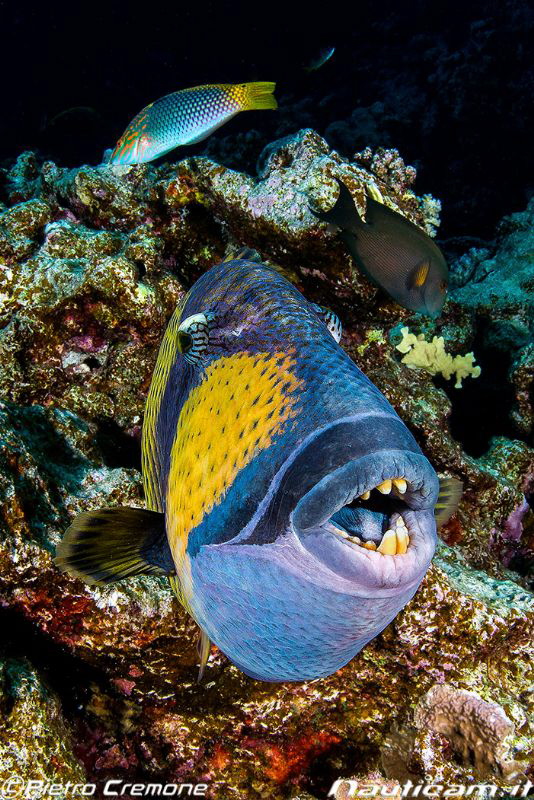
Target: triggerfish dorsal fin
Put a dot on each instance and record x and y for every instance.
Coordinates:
(203, 649)
(344, 213)
(244, 254)
(450, 492)
(108, 545)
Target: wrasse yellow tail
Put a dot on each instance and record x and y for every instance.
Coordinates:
(258, 96)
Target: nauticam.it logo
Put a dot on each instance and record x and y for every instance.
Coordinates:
(347, 789)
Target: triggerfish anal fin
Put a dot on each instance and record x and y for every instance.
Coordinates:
(203, 648)
(450, 493)
(114, 543)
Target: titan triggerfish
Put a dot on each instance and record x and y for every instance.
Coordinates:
(291, 508)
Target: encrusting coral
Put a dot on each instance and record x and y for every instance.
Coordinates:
(93, 261)
(432, 357)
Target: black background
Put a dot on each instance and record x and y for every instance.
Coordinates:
(449, 84)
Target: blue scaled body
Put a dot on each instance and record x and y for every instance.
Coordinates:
(263, 447)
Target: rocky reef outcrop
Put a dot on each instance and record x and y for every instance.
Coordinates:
(92, 263)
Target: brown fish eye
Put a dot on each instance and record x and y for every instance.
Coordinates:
(185, 341)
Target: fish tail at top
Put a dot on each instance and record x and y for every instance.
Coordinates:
(344, 213)
(259, 96)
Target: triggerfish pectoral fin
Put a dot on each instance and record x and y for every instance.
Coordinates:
(114, 543)
(450, 493)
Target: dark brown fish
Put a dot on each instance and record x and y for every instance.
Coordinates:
(397, 255)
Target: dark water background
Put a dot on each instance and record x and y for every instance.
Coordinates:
(448, 84)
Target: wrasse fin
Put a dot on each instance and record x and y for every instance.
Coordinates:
(450, 492)
(108, 545)
(259, 96)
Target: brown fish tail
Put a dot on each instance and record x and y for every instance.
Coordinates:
(344, 213)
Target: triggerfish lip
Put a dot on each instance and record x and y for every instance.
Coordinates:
(371, 520)
(339, 545)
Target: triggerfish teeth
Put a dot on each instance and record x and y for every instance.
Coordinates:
(403, 540)
(384, 487)
(400, 485)
(388, 545)
(259, 435)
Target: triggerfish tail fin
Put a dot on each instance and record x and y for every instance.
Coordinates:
(203, 649)
(344, 213)
(114, 543)
(450, 492)
(259, 96)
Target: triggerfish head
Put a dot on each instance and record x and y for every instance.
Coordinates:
(397, 255)
(186, 117)
(292, 509)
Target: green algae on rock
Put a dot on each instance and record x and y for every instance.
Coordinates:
(36, 741)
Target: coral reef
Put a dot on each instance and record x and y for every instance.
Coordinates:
(497, 286)
(36, 742)
(93, 262)
(432, 357)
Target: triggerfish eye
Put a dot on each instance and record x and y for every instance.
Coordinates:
(292, 510)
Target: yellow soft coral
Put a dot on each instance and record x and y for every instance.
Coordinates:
(431, 356)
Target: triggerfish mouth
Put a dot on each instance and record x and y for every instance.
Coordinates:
(290, 506)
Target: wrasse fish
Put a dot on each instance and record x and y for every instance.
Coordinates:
(397, 255)
(186, 117)
(290, 506)
(324, 56)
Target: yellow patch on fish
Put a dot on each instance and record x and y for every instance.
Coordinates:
(151, 465)
(244, 400)
(420, 275)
